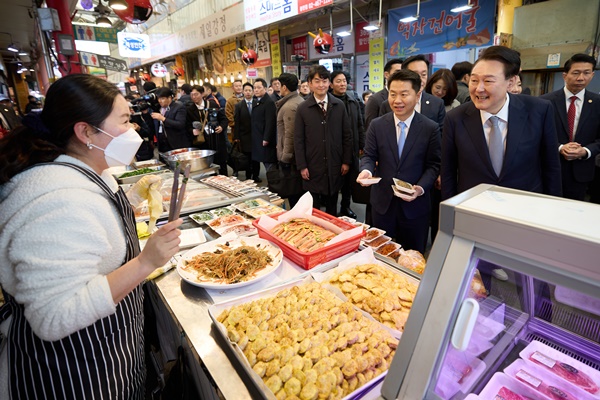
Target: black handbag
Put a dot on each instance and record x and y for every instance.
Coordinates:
(285, 181)
(237, 159)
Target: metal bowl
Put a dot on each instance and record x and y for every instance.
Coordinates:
(198, 159)
(174, 152)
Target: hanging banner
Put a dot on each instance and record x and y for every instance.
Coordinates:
(376, 57)
(362, 73)
(341, 45)
(439, 29)
(299, 47)
(275, 52)
(232, 63)
(261, 47)
(134, 45)
(361, 44)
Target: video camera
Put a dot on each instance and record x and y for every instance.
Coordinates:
(148, 100)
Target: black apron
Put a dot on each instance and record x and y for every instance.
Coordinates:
(103, 361)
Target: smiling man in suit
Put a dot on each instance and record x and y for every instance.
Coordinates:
(500, 138)
(577, 115)
(405, 145)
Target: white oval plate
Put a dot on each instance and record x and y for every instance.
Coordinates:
(369, 181)
(191, 277)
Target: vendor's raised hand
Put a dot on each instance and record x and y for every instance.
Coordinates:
(162, 245)
(139, 191)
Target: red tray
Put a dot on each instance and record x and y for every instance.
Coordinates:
(324, 254)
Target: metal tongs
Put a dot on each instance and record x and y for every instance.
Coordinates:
(176, 193)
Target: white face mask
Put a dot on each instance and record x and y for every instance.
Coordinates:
(121, 150)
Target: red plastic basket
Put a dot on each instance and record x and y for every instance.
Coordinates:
(324, 254)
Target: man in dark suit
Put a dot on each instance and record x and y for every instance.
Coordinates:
(405, 145)
(373, 106)
(170, 123)
(322, 141)
(500, 138)
(264, 126)
(577, 116)
(243, 131)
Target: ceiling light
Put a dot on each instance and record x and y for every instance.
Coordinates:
(371, 27)
(466, 7)
(13, 48)
(409, 19)
(347, 33)
(118, 4)
(103, 22)
(23, 53)
(32, 70)
(413, 17)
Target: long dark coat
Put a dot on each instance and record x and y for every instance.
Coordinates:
(264, 127)
(243, 126)
(322, 144)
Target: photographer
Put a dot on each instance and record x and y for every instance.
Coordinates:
(214, 121)
(170, 123)
(146, 150)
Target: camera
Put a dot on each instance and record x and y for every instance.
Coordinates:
(212, 120)
(149, 100)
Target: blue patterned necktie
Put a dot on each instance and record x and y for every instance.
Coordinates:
(401, 138)
(496, 145)
(249, 104)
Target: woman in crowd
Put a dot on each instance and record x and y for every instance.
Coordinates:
(73, 320)
(443, 85)
(517, 88)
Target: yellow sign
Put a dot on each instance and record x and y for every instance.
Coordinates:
(275, 53)
(376, 64)
(231, 62)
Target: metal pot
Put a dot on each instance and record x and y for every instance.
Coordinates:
(198, 159)
(174, 152)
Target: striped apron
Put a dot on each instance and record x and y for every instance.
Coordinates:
(103, 361)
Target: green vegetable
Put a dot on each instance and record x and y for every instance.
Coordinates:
(140, 171)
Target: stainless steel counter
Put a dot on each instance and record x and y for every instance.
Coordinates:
(188, 306)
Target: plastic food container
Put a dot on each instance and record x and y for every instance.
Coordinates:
(320, 256)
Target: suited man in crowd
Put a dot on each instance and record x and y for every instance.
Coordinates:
(577, 116)
(264, 126)
(500, 138)
(243, 131)
(462, 74)
(339, 88)
(170, 122)
(404, 145)
(9, 120)
(322, 141)
(373, 106)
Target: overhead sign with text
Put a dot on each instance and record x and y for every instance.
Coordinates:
(134, 45)
(259, 13)
(439, 29)
(97, 60)
(95, 34)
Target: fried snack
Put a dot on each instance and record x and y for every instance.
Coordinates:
(303, 234)
(386, 295)
(317, 346)
(413, 260)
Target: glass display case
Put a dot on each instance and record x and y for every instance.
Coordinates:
(533, 330)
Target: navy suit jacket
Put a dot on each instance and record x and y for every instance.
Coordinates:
(432, 107)
(530, 160)
(175, 126)
(418, 165)
(587, 134)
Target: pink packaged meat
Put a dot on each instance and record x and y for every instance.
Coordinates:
(565, 371)
(551, 391)
(506, 394)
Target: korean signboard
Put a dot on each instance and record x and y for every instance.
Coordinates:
(261, 47)
(259, 13)
(299, 47)
(94, 33)
(439, 29)
(134, 45)
(275, 52)
(361, 43)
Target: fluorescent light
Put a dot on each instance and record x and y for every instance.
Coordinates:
(23, 53)
(344, 33)
(13, 48)
(118, 4)
(371, 27)
(32, 70)
(410, 19)
(461, 8)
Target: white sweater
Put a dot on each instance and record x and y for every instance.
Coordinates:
(60, 235)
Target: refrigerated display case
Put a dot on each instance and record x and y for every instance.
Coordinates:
(536, 334)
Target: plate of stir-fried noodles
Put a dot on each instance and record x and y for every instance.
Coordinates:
(227, 264)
